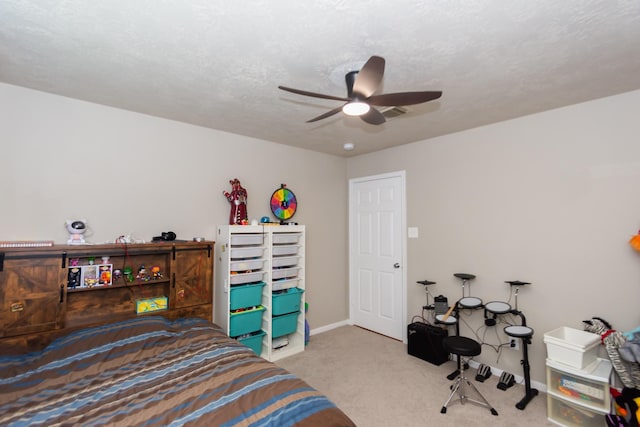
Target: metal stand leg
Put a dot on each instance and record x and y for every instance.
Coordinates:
(459, 389)
(530, 393)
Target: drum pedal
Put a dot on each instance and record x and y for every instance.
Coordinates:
(506, 381)
(483, 373)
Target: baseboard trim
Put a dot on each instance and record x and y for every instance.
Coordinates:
(329, 327)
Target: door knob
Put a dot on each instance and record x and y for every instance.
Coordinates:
(396, 265)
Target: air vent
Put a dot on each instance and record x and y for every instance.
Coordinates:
(392, 112)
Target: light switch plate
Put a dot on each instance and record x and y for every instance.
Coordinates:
(413, 232)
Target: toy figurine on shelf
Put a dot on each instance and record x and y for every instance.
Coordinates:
(128, 274)
(74, 277)
(142, 274)
(76, 230)
(105, 275)
(238, 200)
(155, 272)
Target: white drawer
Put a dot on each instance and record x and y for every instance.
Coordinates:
(248, 252)
(286, 261)
(280, 284)
(587, 388)
(286, 238)
(564, 413)
(239, 279)
(247, 239)
(247, 265)
(285, 250)
(285, 273)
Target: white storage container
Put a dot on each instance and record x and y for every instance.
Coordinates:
(239, 279)
(285, 250)
(248, 252)
(247, 239)
(586, 388)
(573, 347)
(281, 284)
(247, 265)
(285, 238)
(283, 273)
(564, 413)
(287, 261)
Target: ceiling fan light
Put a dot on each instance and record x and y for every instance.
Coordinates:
(356, 108)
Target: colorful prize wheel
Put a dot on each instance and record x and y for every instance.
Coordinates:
(283, 203)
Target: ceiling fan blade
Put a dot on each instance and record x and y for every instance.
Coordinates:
(369, 78)
(315, 95)
(373, 117)
(327, 114)
(403, 98)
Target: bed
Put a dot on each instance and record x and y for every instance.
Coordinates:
(152, 371)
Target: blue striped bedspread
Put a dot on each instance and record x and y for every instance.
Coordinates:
(151, 371)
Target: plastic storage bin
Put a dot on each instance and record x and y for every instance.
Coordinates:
(253, 341)
(247, 239)
(287, 301)
(586, 388)
(284, 325)
(285, 238)
(245, 322)
(572, 347)
(243, 296)
(287, 261)
(247, 264)
(284, 273)
(285, 250)
(564, 413)
(280, 284)
(248, 252)
(242, 278)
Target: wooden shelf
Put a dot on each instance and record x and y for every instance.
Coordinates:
(37, 305)
(120, 285)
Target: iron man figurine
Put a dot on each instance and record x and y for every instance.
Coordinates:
(238, 200)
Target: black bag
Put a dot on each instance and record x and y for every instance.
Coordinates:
(425, 342)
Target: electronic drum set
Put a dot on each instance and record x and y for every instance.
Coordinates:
(494, 309)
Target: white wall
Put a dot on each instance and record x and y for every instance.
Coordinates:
(551, 199)
(127, 173)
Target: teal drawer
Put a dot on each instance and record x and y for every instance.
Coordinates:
(245, 322)
(287, 301)
(244, 296)
(285, 324)
(253, 341)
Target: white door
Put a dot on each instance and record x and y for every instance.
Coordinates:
(376, 253)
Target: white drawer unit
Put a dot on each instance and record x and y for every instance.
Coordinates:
(563, 413)
(251, 255)
(578, 396)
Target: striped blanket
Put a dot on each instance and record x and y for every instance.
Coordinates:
(152, 371)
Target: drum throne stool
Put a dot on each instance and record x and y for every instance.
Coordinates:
(464, 347)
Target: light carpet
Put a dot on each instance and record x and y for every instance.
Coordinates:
(376, 383)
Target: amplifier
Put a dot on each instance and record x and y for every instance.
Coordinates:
(425, 342)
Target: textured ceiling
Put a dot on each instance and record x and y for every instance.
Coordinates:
(218, 64)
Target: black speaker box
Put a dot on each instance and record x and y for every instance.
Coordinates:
(425, 342)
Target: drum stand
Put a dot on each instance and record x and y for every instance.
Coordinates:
(426, 284)
(530, 393)
(465, 278)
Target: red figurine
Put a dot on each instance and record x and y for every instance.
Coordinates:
(238, 200)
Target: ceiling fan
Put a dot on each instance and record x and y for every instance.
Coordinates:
(361, 101)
